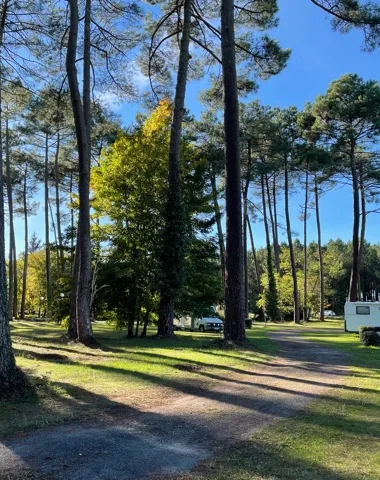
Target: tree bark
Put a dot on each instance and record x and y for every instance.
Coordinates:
(173, 241)
(363, 215)
(265, 219)
(138, 320)
(26, 244)
(245, 230)
(146, 321)
(58, 203)
(15, 281)
(353, 293)
(271, 300)
(47, 239)
(245, 252)
(82, 120)
(12, 246)
(73, 323)
(234, 326)
(277, 250)
(296, 314)
(254, 255)
(274, 227)
(55, 236)
(72, 224)
(8, 370)
(218, 219)
(320, 255)
(305, 212)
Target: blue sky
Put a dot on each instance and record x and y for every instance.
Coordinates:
(319, 55)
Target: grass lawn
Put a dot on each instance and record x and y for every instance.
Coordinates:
(336, 438)
(75, 382)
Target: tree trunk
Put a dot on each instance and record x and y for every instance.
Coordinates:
(234, 325)
(12, 246)
(245, 252)
(274, 229)
(47, 239)
(320, 255)
(218, 219)
(173, 237)
(82, 120)
(305, 212)
(245, 230)
(138, 319)
(271, 300)
(146, 321)
(255, 265)
(353, 293)
(363, 215)
(55, 236)
(8, 371)
(132, 312)
(26, 244)
(296, 314)
(255, 261)
(12, 299)
(58, 204)
(15, 281)
(73, 323)
(72, 223)
(275, 226)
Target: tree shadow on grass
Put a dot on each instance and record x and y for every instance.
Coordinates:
(253, 401)
(30, 354)
(141, 445)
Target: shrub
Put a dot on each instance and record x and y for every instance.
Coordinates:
(369, 337)
(65, 322)
(366, 328)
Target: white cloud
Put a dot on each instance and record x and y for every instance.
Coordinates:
(139, 79)
(111, 100)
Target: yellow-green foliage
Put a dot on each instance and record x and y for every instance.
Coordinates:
(131, 171)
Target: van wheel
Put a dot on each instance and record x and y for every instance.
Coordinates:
(202, 328)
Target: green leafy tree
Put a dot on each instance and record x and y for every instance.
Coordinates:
(348, 14)
(348, 118)
(129, 188)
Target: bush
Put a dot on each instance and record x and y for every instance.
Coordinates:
(368, 328)
(108, 316)
(65, 322)
(369, 337)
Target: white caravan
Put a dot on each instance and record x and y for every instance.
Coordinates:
(202, 324)
(361, 313)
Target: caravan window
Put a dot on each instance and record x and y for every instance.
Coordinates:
(362, 310)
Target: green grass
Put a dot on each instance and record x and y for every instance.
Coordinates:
(329, 323)
(73, 382)
(335, 438)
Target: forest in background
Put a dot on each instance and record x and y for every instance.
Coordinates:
(157, 219)
(127, 194)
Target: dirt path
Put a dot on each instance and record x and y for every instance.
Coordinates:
(172, 439)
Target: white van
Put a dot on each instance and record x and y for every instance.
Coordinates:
(202, 324)
(361, 313)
